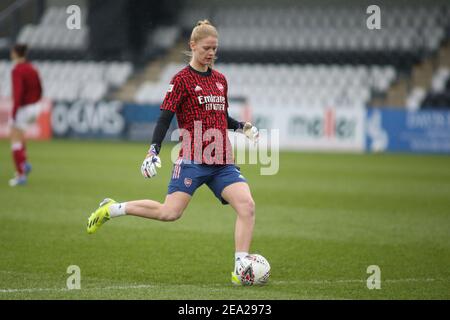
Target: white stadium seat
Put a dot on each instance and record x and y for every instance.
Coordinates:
(50, 35)
(293, 85)
(70, 80)
(322, 28)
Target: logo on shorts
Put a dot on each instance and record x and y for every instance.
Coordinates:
(219, 86)
(187, 182)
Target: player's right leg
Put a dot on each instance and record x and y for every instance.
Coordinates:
(18, 151)
(182, 186)
(172, 209)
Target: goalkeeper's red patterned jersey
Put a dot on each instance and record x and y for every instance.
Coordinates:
(199, 100)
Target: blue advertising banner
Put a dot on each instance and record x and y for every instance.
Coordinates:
(105, 120)
(85, 119)
(408, 131)
(141, 121)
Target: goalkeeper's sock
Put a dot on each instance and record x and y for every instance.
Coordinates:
(240, 255)
(117, 209)
(19, 156)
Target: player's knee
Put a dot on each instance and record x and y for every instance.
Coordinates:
(248, 208)
(168, 217)
(171, 214)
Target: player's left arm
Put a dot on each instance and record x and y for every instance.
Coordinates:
(251, 131)
(18, 91)
(247, 128)
(233, 124)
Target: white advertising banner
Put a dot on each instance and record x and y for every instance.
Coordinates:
(334, 129)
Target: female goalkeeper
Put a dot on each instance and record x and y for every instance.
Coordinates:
(197, 95)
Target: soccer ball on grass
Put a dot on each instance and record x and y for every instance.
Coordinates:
(253, 269)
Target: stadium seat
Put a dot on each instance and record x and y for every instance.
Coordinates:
(70, 80)
(280, 84)
(438, 96)
(49, 34)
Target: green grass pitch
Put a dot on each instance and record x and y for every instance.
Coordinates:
(321, 221)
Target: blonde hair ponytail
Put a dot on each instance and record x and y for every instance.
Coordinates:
(202, 29)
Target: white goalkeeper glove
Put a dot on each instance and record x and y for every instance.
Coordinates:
(251, 132)
(151, 162)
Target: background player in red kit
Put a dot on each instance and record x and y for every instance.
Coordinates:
(197, 96)
(27, 91)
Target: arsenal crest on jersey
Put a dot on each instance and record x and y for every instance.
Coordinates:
(187, 182)
(219, 86)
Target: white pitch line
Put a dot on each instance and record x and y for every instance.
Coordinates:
(142, 286)
(145, 286)
(30, 290)
(358, 281)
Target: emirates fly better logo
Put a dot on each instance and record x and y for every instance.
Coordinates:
(216, 103)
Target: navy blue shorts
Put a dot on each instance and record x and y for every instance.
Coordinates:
(188, 176)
